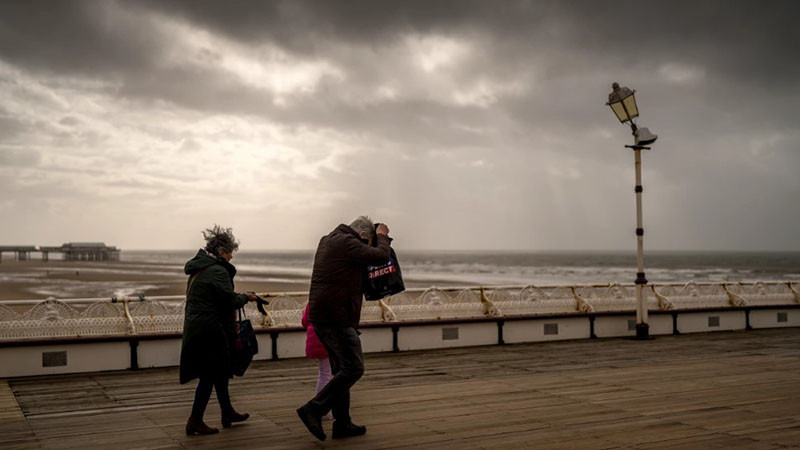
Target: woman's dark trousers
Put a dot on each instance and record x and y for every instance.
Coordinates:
(347, 365)
(203, 393)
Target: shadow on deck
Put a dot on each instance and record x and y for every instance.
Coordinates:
(717, 390)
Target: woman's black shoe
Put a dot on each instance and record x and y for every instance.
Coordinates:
(347, 430)
(228, 419)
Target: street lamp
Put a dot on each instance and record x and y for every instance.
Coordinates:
(623, 102)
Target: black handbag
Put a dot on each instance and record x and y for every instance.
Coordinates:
(383, 280)
(245, 344)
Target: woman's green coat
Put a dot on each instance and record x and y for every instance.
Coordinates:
(208, 325)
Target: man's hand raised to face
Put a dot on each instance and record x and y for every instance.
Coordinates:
(382, 229)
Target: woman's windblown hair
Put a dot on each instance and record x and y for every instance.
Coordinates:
(219, 238)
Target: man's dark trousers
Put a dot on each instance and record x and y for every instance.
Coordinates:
(347, 365)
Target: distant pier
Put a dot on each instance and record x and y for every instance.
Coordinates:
(72, 251)
(21, 252)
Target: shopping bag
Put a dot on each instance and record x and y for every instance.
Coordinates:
(383, 280)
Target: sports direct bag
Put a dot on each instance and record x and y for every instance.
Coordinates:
(245, 344)
(384, 280)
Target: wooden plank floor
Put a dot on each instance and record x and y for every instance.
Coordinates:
(723, 390)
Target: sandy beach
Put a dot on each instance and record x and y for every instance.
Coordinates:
(25, 280)
(35, 279)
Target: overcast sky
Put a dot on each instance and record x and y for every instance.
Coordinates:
(463, 125)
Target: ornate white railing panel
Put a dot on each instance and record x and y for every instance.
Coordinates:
(760, 293)
(53, 318)
(152, 316)
(285, 310)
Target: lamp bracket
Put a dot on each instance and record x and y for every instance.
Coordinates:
(638, 147)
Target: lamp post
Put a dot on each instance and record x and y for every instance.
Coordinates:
(623, 102)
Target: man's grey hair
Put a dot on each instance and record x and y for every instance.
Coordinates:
(364, 223)
(219, 238)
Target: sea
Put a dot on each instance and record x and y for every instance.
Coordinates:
(522, 267)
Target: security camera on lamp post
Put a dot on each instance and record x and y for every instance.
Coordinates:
(623, 102)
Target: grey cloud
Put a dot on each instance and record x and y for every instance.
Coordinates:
(432, 123)
(73, 37)
(69, 121)
(19, 157)
(739, 38)
(83, 170)
(11, 128)
(189, 146)
(304, 26)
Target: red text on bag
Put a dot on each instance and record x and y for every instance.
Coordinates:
(382, 271)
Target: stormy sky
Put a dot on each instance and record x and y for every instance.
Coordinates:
(461, 124)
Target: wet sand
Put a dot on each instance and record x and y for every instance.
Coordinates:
(32, 280)
(26, 280)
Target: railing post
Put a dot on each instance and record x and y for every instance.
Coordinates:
(395, 345)
(500, 324)
(134, 344)
(274, 338)
(387, 314)
(127, 312)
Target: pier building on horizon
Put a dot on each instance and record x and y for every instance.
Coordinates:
(72, 251)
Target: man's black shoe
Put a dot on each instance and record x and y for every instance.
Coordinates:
(347, 430)
(312, 422)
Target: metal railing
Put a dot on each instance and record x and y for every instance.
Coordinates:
(141, 315)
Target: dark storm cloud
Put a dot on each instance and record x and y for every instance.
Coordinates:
(750, 40)
(742, 41)
(305, 26)
(745, 39)
(73, 37)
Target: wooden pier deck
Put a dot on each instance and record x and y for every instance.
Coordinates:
(725, 390)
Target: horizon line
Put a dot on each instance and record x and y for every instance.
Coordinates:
(497, 250)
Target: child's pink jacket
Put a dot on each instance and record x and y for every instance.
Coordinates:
(314, 348)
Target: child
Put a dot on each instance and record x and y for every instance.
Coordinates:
(315, 350)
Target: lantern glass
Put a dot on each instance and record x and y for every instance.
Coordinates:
(630, 106)
(619, 111)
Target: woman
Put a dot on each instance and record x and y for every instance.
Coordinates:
(208, 328)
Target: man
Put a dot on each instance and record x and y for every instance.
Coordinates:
(335, 311)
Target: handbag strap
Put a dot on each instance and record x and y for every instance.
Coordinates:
(192, 278)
